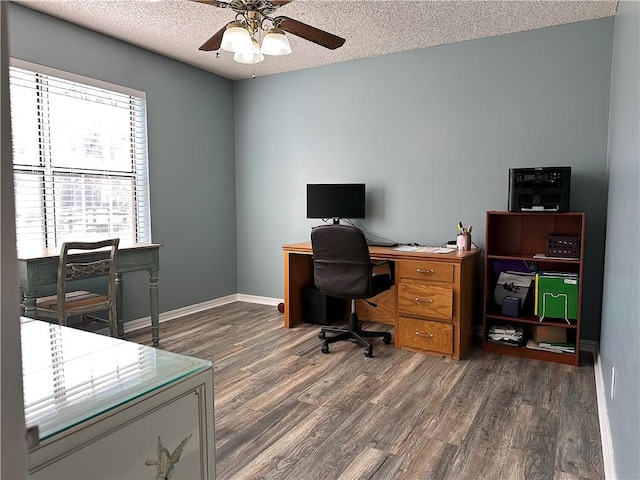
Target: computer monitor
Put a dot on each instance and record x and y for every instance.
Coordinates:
(336, 200)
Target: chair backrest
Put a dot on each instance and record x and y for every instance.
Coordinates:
(341, 262)
(86, 261)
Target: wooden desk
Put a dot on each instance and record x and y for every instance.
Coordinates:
(41, 268)
(431, 304)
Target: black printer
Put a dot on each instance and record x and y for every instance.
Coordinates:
(539, 189)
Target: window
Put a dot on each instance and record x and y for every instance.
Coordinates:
(79, 158)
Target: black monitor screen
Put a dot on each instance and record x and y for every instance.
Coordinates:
(335, 200)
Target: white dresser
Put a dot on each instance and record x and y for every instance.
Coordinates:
(111, 409)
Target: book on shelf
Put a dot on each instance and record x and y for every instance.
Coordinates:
(562, 347)
(542, 256)
(551, 273)
(552, 347)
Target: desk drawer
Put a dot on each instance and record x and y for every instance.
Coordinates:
(432, 271)
(425, 335)
(425, 300)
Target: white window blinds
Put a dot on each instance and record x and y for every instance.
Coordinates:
(79, 158)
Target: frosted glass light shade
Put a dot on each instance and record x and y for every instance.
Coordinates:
(275, 43)
(249, 56)
(236, 38)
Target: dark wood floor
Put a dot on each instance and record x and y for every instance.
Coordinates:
(284, 410)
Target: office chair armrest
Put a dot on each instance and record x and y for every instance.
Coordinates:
(391, 264)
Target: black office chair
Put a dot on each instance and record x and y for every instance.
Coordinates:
(342, 268)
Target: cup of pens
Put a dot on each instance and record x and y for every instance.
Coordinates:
(463, 240)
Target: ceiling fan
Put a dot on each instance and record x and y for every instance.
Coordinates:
(252, 16)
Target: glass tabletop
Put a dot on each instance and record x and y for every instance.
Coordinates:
(70, 375)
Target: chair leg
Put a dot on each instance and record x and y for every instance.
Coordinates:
(113, 322)
(386, 336)
(354, 323)
(338, 338)
(358, 338)
(353, 332)
(336, 330)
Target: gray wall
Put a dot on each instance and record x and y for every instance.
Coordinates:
(191, 154)
(432, 133)
(620, 339)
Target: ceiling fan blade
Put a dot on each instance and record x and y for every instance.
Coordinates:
(214, 42)
(313, 34)
(215, 3)
(279, 3)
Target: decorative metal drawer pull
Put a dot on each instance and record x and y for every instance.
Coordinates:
(425, 335)
(431, 270)
(419, 300)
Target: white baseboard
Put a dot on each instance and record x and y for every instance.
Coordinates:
(603, 416)
(145, 322)
(261, 300)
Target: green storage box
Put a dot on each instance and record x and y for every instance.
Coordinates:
(557, 296)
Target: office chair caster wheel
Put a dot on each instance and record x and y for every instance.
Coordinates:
(368, 352)
(325, 347)
(386, 339)
(322, 335)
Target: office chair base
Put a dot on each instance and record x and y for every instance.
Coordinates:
(352, 333)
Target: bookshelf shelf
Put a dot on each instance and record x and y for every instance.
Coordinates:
(530, 258)
(566, 358)
(520, 236)
(530, 320)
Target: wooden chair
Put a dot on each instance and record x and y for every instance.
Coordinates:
(83, 264)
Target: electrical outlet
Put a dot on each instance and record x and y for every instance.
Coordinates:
(613, 382)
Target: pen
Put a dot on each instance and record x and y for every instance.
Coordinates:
(464, 229)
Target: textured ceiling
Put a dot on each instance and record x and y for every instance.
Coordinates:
(176, 28)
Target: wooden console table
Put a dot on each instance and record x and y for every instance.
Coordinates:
(431, 304)
(38, 268)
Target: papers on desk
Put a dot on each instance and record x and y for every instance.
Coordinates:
(415, 248)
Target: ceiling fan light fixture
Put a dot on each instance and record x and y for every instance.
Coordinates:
(236, 38)
(275, 43)
(249, 57)
(252, 21)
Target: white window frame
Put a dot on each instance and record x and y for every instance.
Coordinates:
(133, 178)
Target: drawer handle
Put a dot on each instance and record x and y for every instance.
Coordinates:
(431, 270)
(425, 335)
(419, 300)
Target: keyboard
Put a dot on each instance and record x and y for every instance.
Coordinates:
(381, 243)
